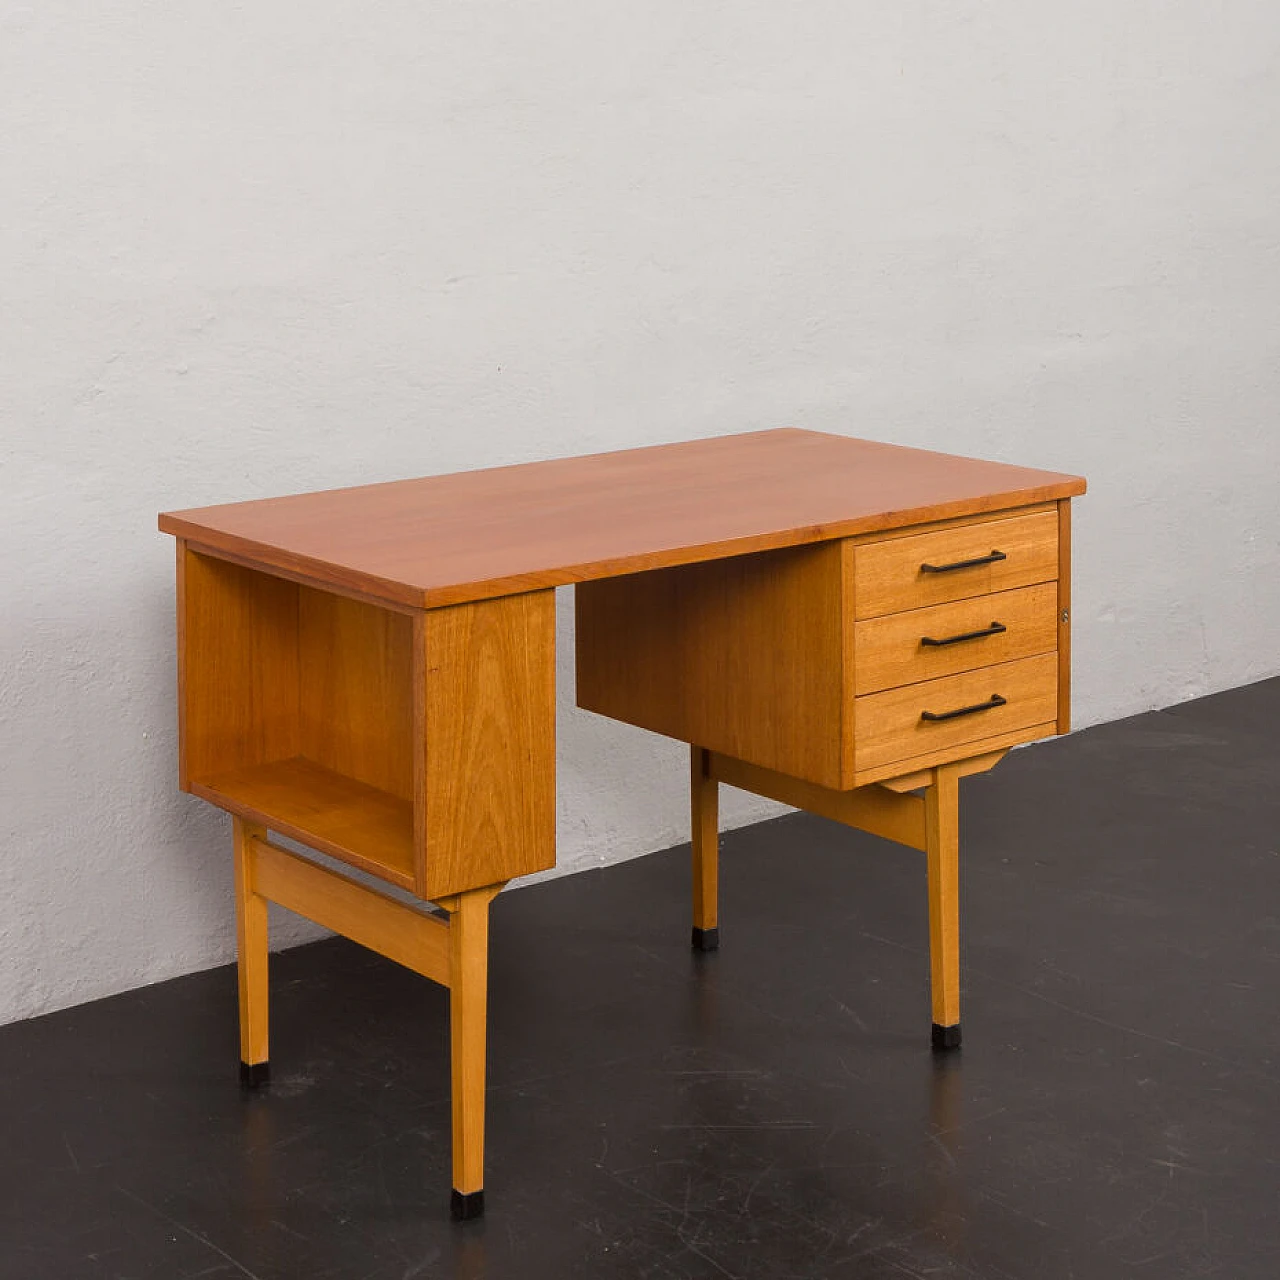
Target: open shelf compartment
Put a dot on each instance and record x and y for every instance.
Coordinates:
(417, 746)
(297, 711)
(356, 823)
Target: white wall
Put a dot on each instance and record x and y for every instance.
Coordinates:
(251, 249)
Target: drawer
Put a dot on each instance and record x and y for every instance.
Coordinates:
(956, 563)
(890, 726)
(978, 632)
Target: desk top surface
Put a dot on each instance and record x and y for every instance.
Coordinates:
(448, 539)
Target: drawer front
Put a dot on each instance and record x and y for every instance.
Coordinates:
(966, 634)
(954, 564)
(890, 726)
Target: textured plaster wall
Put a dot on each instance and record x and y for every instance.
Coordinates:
(254, 248)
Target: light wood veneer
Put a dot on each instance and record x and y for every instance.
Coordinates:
(813, 661)
(448, 539)
(891, 650)
(420, 749)
(371, 672)
(890, 577)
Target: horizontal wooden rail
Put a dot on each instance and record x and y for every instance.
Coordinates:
(393, 929)
(875, 809)
(961, 768)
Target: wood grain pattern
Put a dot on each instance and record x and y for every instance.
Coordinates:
(393, 929)
(890, 728)
(742, 656)
(957, 522)
(960, 752)
(942, 833)
(873, 809)
(704, 803)
(1064, 616)
(187, 677)
(449, 539)
(251, 945)
(367, 828)
(848, 661)
(962, 769)
(488, 725)
(468, 1020)
(890, 651)
(371, 671)
(355, 667)
(288, 573)
(237, 667)
(890, 578)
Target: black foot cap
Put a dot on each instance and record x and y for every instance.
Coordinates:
(464, 1208)
(255, 1076)
(946, 1037)
(706, 939)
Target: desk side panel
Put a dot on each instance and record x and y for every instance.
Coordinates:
(743, 656)
(485, 781)
(237, 667)
(1064, 616)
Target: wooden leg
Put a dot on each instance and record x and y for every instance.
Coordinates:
(942, 837)
(251, 941)
(704, 801)
(468, 999)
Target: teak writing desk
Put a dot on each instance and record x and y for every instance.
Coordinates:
(846, 626)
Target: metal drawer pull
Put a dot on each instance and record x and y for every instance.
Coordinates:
(993, 630)
(964, 564)
(996, 701)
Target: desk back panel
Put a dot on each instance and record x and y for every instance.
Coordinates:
(271, 670)
(355, 665)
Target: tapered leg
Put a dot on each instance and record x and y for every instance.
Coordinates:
(704, 800)
(251, 941)
(942, 833)
(468, 1001)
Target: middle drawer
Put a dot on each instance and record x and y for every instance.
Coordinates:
(922, 644)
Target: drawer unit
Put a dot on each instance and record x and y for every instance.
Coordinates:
(820, 661)
(923, 644)
(955, 563)
(919, 720)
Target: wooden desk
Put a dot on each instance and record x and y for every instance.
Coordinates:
(846, 626)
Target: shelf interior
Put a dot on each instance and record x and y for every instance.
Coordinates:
(326, 810)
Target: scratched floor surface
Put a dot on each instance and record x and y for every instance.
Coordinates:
(771, 1111)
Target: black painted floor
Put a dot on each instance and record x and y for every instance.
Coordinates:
(770, 1111)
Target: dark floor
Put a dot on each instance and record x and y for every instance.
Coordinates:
(770, 1111)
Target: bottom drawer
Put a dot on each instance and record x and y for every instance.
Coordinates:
(916, 719)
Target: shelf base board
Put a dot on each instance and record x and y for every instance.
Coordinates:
(349, 820)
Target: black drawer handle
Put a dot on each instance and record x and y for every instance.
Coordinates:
(995, 629)
(964, 564)
(996, 701)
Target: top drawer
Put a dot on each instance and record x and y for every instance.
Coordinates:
(951, 564)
